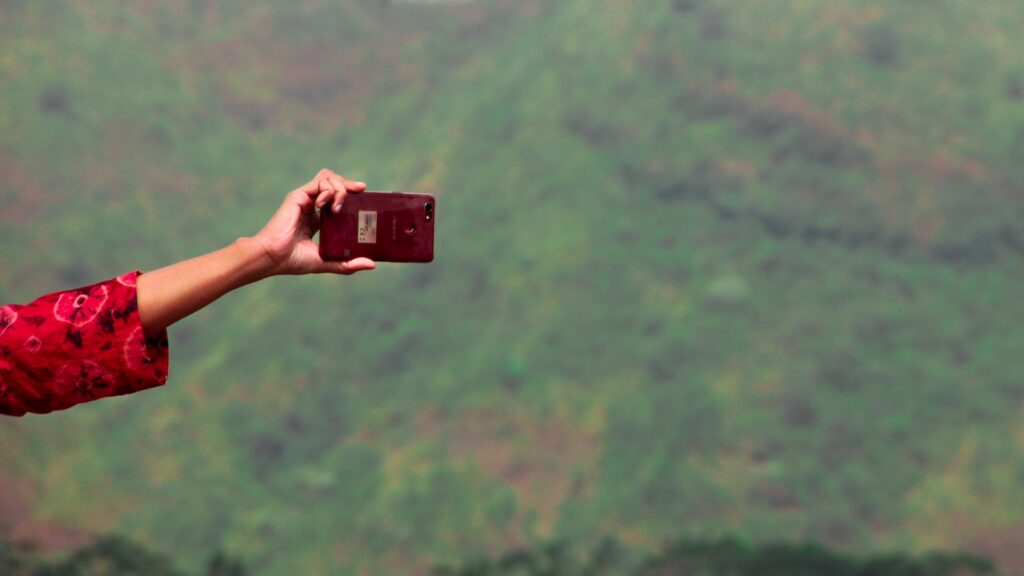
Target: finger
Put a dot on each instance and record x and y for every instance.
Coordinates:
(313, 186)
(340, 186)
(305, 196)
(350, 186)
(324, 198)
(327, 191)
(349, 266)
(326, 180)
(354, 185)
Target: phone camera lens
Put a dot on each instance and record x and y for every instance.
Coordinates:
(429, 209)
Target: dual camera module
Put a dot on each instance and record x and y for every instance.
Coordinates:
(428, 215)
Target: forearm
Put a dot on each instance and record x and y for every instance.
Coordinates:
(173, 292)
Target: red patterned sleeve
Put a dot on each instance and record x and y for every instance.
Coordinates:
(75, 346)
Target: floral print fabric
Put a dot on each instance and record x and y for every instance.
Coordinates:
(70, 347)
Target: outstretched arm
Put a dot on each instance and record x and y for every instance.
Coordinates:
(283, 246)
(110, 338)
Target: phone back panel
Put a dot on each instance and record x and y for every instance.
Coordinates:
(382, 226)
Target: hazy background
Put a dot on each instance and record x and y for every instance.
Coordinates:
(704, 268)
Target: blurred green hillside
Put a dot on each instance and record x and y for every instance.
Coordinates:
(704, 268)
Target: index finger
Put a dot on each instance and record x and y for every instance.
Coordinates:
(313, 186)
(344, 186)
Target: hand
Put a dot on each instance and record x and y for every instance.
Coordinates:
(287, 239)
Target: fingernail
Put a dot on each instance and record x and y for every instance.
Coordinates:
(361, 183)
(337, 208)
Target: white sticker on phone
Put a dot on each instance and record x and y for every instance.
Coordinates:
(367, 227)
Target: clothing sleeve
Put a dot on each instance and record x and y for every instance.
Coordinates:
(75, 346)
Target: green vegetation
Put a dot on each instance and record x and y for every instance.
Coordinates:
(705, 268)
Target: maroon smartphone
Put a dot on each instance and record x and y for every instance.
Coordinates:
(382, 226)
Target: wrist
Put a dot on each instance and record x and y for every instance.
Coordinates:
(256, 260)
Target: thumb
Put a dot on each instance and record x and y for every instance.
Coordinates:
(348, 266)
